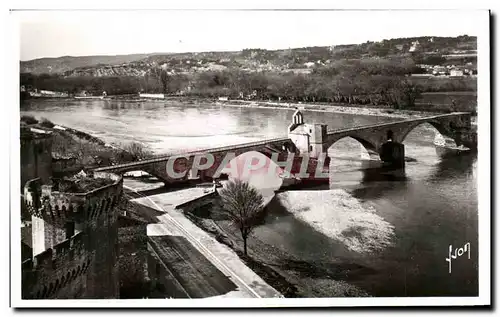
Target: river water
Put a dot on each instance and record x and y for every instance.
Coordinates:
(429, 206)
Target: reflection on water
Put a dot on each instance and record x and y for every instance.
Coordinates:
(432, 203)
(462, 165)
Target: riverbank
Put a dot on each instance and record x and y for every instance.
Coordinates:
(173, 222)
(268, 274)
(351, 109)
(74, 150)
(341, 222)
(316, 107)
(331, 108)
(354, 109)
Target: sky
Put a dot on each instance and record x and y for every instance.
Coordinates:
(80, 33)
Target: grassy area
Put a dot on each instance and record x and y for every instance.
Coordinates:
(88, 153)
(80, 184)
(439, 98)
(74, 150)
(46, 123)
(28, 120)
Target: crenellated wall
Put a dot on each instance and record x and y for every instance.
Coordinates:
(58, 272)
(58, 208)
(64, 221)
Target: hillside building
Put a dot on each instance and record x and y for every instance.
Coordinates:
(414, 46)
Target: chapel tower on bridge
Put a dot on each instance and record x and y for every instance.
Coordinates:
(308, 138)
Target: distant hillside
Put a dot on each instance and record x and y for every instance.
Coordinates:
(66, 63)
(422, 50)
(388, 73)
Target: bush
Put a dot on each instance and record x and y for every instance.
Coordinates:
(29, 119)
(46, 123)
(137, 150)
(81, 184)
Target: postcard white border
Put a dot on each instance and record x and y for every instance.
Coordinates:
(483, 198)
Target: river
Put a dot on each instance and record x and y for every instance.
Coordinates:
(431, 205)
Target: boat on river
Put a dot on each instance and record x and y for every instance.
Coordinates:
(89, 97)
(86, 95)
(447, 146)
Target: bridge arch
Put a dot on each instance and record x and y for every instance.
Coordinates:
(158, 170)
(369, 147)
(438, 126)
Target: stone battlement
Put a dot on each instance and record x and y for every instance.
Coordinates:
(60, 254)
(58, 207)
(56, 268)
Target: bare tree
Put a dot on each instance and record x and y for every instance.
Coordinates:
(137, 150)
(243, 204)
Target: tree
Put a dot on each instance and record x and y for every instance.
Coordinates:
(411, 92)
(243, 205)
(137, 151)
(164, 80)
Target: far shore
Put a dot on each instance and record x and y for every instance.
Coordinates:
(352, 109)
(334, 108)
(331, 108)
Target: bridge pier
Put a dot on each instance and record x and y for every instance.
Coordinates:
(467, 138)
(393, 154)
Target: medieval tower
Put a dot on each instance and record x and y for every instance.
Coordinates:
(73, 233)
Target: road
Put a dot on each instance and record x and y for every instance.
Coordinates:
(204, 267)
(198, 278)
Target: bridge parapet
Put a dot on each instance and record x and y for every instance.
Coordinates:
(182, 161)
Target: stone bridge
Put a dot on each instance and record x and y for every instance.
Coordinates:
(382, 141)
(183, 161)
(456, 126)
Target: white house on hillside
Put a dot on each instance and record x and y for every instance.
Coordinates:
(456, 73)
(414, 46)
